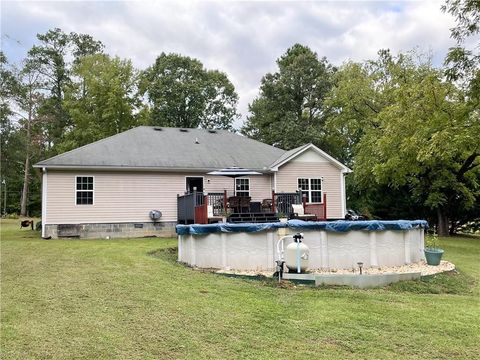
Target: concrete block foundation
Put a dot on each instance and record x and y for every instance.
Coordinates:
(111, 230)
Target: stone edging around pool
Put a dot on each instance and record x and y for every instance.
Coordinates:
(354, 280)
(387, 276)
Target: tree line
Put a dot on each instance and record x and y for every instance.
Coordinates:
(410, 131)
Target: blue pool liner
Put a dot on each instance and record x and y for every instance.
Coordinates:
(332, 226)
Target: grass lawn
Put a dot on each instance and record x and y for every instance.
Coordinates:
(101, 299)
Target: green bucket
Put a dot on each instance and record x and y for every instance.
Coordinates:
(433, 256)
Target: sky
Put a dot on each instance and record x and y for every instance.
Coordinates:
(241, 38)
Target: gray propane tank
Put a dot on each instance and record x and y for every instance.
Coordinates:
(296, 255)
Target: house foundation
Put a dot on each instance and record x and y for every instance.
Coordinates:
(111, 230)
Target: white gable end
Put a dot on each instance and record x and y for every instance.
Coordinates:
(310, 156)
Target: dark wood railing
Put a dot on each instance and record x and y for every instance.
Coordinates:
(218, 201)
(186, 207)
(193, 207)
(320, 210)
(282, 202)
(201, 212)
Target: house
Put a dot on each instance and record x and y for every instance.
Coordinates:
(108, 188)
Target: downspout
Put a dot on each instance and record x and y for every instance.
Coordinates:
(343, 193)
(44, 200)
(275, 181)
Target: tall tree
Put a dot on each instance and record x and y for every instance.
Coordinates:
(352, 107)
(101, 100)
(52, 57)
(182, 93)
(29, 99)
(21, 91)
(423, 138)
(290, 109)
(10, 145)
(464, 63)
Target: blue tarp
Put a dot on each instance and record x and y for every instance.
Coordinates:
(334, 226)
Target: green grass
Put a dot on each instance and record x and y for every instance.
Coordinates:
(102, 299)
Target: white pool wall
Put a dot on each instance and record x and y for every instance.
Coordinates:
(328, 250)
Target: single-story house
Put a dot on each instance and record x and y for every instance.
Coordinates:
(109, 188)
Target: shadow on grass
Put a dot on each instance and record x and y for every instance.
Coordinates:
(452, 282)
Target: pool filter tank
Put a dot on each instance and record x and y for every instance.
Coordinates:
(296, 255)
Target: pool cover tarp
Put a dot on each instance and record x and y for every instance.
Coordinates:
(333, 226)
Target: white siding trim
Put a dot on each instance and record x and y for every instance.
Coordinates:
(193, 176)
(309, 178)
(319, 151)
(249, 185)
(75, 191)
(44, 200)
(343, 193)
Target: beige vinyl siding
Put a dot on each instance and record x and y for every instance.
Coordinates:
(288, 174)
(127, 196)
(260, 185)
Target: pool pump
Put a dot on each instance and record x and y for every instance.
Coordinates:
(295, 256)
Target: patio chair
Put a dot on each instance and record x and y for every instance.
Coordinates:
(299, 214)
(267, 205)
(234, 203)
(212, 218)
(244, 203)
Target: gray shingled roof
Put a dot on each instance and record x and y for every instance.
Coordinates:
(287, 154)
(170, 148)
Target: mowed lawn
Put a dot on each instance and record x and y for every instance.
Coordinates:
(125, 299)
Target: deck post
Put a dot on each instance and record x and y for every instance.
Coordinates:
(225, 201)
(273, 201)
(325, 206)
(205, 213)
(304, 203)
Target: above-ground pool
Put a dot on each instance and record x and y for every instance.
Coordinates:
(333, 245)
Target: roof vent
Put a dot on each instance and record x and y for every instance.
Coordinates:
(157, 128)
(211, 131)
(196, 141)
(184, 130)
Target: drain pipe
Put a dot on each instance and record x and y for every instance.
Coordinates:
(298, 258)
(280, 253)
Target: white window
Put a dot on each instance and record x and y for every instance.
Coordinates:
(311, 189)
(84, 190)
(242, 187)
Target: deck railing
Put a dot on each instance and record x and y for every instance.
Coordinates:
(283, 202)
(218, 202)
(199, 207)
(186, 206)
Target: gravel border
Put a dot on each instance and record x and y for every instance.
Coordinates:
(420, 267)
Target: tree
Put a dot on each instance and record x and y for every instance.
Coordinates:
(51, 59)
(352, 106)
(463, 63)
(10, 144)
(29, 99)
(101, 100)
(290, 109)
(424, 138)
(21, 97)
(182, 93)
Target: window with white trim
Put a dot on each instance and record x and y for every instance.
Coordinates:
(242, 187)
(311, 188)
(84, 190)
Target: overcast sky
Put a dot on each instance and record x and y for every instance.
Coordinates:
(242, 39)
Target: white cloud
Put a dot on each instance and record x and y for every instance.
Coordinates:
(242, 39)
